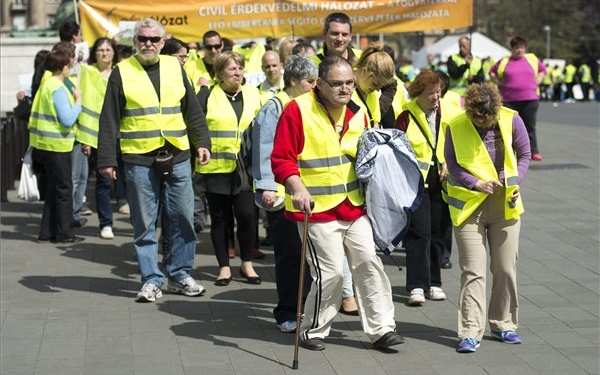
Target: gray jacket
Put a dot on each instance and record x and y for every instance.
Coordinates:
(392, 183)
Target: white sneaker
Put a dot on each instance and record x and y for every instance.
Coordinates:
(124, 209)
(107, 233)
(187, 286)
(149, 293)
(417, 297)
(436, 294)
(287, 326)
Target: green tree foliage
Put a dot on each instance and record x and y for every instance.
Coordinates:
(574, 24)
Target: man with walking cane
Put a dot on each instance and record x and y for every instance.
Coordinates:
(314, 157)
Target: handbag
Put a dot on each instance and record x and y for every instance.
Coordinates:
(23, 109)
(28, 188)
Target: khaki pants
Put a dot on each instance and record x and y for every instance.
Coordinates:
(327, 243)
(487, 224)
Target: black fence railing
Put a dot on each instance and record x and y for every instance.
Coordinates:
(14, 140)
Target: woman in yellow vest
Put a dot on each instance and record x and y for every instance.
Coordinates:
(229, 107)
(373, 71)
(51, 134)
(487, 153)
(93, 82)
(430, 223)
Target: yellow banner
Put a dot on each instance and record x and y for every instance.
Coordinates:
(243, 19)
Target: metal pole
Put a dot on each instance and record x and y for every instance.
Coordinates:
(547, 30)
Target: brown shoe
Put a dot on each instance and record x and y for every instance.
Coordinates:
(257, 254)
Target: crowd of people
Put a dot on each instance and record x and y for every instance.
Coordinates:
(168, 122)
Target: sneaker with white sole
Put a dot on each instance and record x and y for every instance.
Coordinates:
(124, 209)
(417, 297)
(107, 233)
(468, 345)
(149, 293)
(187, 286)
(287, 326)
(436, 293)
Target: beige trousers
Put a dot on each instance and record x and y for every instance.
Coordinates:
(487, 225)
(327, 243)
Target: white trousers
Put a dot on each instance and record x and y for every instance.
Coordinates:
(327, 242)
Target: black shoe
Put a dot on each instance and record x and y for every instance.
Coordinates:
(73, 239)
(223, 282)
(313, 344)
(254, 280)
(46, 239)
(446, 264)
(79, 223)
(389, 339)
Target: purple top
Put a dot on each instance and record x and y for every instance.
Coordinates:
(492, 139)
(518, 81)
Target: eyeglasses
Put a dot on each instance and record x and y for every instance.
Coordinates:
(339, 84)
(213, 46)
(152, 39)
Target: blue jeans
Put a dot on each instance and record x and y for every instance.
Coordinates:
(79, 175)
(144, 192)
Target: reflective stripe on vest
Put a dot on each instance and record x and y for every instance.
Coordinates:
(45, 130)
(93, 86)
(224, 128)
(325, 163)
(148, 121)
(472, 155)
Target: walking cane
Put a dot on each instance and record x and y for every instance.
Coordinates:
(301, 286)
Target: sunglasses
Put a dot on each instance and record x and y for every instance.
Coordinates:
(144, 39)
(213, 46)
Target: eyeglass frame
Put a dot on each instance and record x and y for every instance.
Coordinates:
(337, 85)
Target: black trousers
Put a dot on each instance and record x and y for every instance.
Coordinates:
(57, 216)
(527, 109)
(219, 207)
(287, 246)
(427, 237)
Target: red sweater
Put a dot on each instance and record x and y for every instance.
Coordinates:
(287, 145)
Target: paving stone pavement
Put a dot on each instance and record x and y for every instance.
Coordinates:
(71, 310)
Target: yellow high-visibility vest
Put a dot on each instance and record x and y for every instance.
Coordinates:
(93, 86)
(196, 69)
(224, 128)
(472, 155)
(149, 121)
(325, 163)
(460, 85)
(45, 130)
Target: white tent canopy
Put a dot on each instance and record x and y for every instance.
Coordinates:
(481, 46)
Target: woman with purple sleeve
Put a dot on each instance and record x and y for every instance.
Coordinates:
(487, 153)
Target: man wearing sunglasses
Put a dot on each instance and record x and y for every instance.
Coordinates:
(152, 107)
(202, 71)
(314, 156)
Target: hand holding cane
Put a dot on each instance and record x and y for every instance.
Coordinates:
(301, 285)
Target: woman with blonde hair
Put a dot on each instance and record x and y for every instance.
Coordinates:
(376, 88)
(487, 151)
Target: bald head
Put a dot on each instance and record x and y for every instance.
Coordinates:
(272, 67)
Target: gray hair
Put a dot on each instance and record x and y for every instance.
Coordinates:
(149, 23)
(298, 68)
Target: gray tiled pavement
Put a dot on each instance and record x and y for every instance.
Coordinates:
(70, 309)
